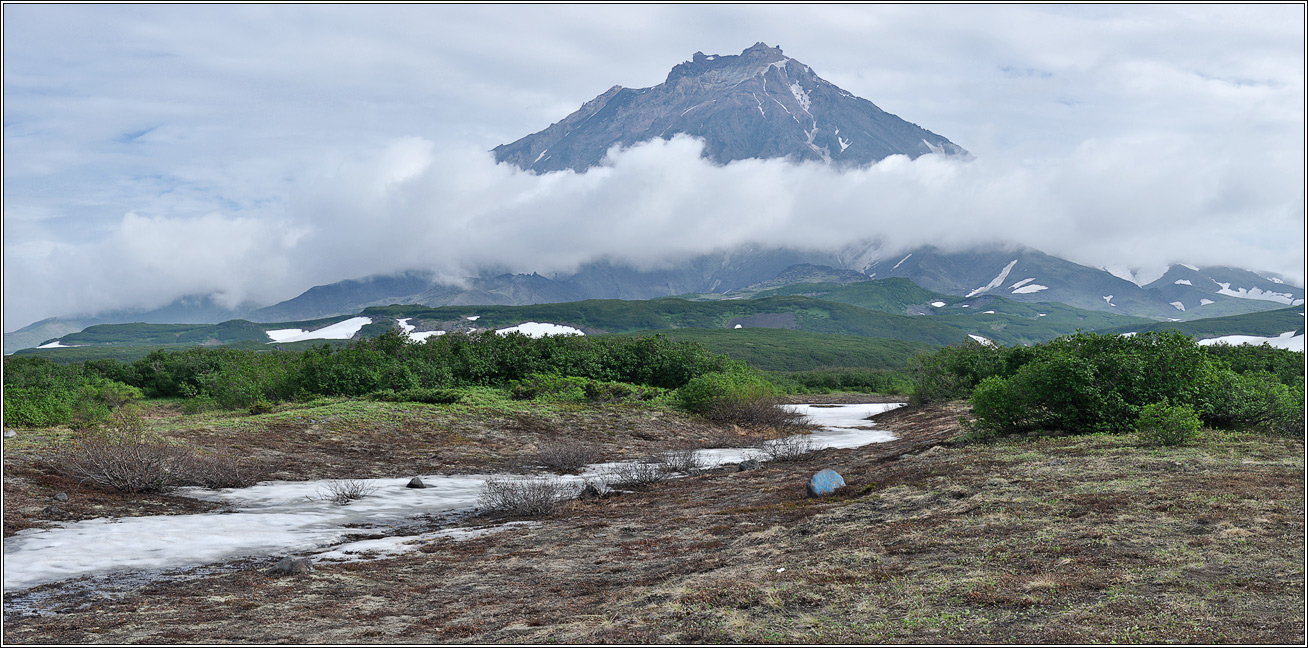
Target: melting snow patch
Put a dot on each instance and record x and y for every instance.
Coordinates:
(738, 326)
(420, 335)
(1257, 293)
(982, 339)
(1186, 265)
(473, 318)
(338, 331)
(1205, 301)
(1179, 306)
(1109, 299)
(537, 329)
(801, 96)
(1033, 288)
(987, 312)
(55, 345)
(1183, 282)
(938, 304)
(1023, 282)
(994, 283)
(903, 260)
(1287, 340)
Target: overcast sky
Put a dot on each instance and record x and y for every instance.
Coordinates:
(252, 152)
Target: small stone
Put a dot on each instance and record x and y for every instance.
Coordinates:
(51, 511)
(825, 482)
(748, 464)
(590, 491)
(61, 497)
(291, 567)
(1057, 462)
(415, 483)
(905, 456)
(9, 434)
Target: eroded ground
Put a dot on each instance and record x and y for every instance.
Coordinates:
(1062, 540)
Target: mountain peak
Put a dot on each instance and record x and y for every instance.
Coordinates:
(757, 104)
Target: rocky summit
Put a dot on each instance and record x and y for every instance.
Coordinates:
(759, 104)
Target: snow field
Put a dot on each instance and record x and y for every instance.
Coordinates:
(338, 331)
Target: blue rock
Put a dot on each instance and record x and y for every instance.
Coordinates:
(824, 483)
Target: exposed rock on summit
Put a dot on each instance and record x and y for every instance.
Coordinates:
(759, 104)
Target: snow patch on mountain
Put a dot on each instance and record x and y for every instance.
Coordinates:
(1183, 282)
(994, 283)
(338, 331)
(801, 96)
(1179, 306)
(1032, 288)
(538, 329)
(1257, 293)
(1205, 301)
(1287, 340)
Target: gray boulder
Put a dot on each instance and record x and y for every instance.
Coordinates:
(415, 483)
(748, 464)
(825, 482)
(289, 566)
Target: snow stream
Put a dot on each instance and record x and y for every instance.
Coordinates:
(296, 518)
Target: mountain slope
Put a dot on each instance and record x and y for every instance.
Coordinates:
(1024, 274)
(759, 104)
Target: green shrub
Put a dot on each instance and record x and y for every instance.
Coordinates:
(739, 396)
(95, 403)
(434, 396)
(1094, 383)
(953, 371)
(30, 407)
(552, 384)
(1167, 425)
(710, 391)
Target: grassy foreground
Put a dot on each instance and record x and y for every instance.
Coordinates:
(1014, 540)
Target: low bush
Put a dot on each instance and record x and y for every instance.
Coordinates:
(1167, 425)
(432, 396)
(344, 491)
(636, 474)
(552, 384)
(526, 496)
(216, 470)
(795, 447)
(121, 456)
(95, 403)
(739, 396)
(680, 460)
(567, 456)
